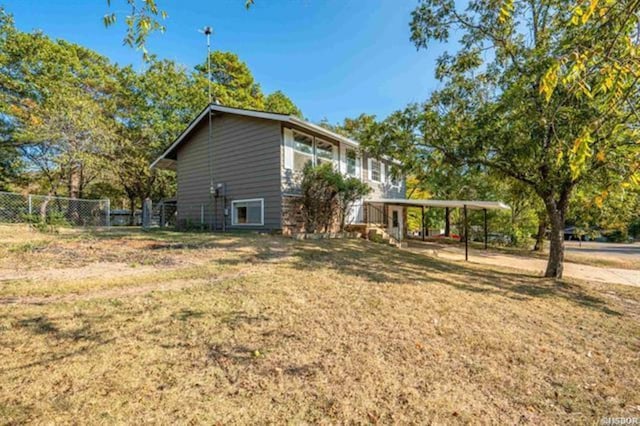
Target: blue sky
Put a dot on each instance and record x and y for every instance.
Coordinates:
(334, 58)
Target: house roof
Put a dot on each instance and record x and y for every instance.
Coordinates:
(167, 159)
(471, 204)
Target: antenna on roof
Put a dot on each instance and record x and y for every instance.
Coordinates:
(208, 31)
(212, 222)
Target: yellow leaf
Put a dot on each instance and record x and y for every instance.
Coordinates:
(598, 200)
(600, 156)
(549, 81)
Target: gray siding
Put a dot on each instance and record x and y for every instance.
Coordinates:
(382, 189)
(246, 158)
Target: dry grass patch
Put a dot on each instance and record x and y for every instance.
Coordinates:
(327, 332)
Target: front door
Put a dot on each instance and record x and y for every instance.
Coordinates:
(395, 222)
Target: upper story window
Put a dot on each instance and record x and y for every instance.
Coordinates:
(375, 170)
(324, 152)
(395, 180)
(351, 161)
(305, 149)
(302, 150)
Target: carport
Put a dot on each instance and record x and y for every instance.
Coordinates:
(465, 205)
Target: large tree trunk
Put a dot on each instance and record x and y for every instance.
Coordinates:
(556, 213)
(75, 177)
(447, 222)
(542, 228)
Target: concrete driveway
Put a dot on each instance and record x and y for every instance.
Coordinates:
(538, 266)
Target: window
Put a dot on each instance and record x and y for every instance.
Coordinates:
(394, 180)
(248, 212)
(302, 151)
(375, 170)
(351, 159)
(324, 152)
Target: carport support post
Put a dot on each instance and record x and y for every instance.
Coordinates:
(423, 227)
(485, 229)
(466, 234)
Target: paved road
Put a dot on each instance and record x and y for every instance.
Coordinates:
(631, 251)
(571, 270)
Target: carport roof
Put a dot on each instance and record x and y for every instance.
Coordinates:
(471, 204)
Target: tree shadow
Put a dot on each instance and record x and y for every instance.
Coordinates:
(234, 319)
(378, 263)
(187, 314)
(44, 326)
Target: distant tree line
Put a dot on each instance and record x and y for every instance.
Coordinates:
(73, 123)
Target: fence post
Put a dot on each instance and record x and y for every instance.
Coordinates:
(201, 214)
(162, 219)
(108, 213)
(147, 207)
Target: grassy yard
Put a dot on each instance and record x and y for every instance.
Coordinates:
(164, 327)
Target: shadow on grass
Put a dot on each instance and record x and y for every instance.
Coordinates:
(41, 325)
(381, 264)
(376, 263)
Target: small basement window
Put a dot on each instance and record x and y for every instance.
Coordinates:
(248, 212)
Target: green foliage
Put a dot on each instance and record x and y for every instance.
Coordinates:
(48, 223)
(72, 123)
(143, 19)
(550, 105)
(232, 83)
(319, 189)
(279, 102)
(327, 196)
(350, 191)
(55, 96)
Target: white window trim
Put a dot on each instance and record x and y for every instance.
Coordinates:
(290, 144)
(370, 170)
(248, 200)
(334, 151)
(356, 173)
(293, 150)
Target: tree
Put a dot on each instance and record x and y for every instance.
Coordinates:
(232, 83)
(350, 191)
(153, 107)
(319, 188)
(328, 196)
(279, 102)
(552, 105)
(54, 98)
(143, 19)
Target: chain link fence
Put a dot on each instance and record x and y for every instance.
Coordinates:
(185, 217)
(20, 208)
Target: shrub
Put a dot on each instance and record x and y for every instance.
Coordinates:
(50, 222)
(327, 196)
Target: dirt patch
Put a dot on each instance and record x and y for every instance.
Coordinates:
(119, 292)
(99, 269)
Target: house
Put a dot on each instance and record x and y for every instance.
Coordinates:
(241, 169)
